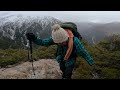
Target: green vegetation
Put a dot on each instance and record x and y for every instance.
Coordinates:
(45, 52)
(106, 55)
(12, 56)
(16, 56)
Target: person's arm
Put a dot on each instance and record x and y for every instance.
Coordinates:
(38, 41)
(82, 51)
(59, 57)
(70, 45)
(44, 42)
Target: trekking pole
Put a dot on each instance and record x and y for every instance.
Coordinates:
(31, 59)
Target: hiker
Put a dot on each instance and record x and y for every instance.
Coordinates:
(71, 29)
(70, 42)
(60, 38)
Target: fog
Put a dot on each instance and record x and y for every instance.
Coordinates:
(80, 16)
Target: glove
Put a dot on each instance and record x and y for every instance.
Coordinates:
(30, 36)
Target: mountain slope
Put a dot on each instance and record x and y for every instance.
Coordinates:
(95, 32)
(15, 27)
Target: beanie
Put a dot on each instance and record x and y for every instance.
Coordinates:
(59, 35)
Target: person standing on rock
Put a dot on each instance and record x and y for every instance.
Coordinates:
(60, 37)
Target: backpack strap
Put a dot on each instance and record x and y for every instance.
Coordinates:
(73, 54)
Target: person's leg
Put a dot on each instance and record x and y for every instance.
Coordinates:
(68, 72)
(62, 68)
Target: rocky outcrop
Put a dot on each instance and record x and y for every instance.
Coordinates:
(44, 69)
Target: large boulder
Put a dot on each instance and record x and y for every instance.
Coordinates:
(44, 69)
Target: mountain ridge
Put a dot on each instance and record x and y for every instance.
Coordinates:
(16, 26)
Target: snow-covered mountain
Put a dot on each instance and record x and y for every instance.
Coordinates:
(15, 26)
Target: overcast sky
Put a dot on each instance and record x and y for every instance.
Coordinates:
(82, 16)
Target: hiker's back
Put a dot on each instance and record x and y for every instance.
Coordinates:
(73, 27)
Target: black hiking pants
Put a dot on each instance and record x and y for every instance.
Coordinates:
(67, 71)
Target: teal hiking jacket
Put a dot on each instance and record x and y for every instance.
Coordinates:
(79, 49)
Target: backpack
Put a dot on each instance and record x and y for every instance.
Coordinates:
(73, 27)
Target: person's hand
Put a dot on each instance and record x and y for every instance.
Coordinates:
(65, 59)
(59, 58)
(91, 62)
(30, 36)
